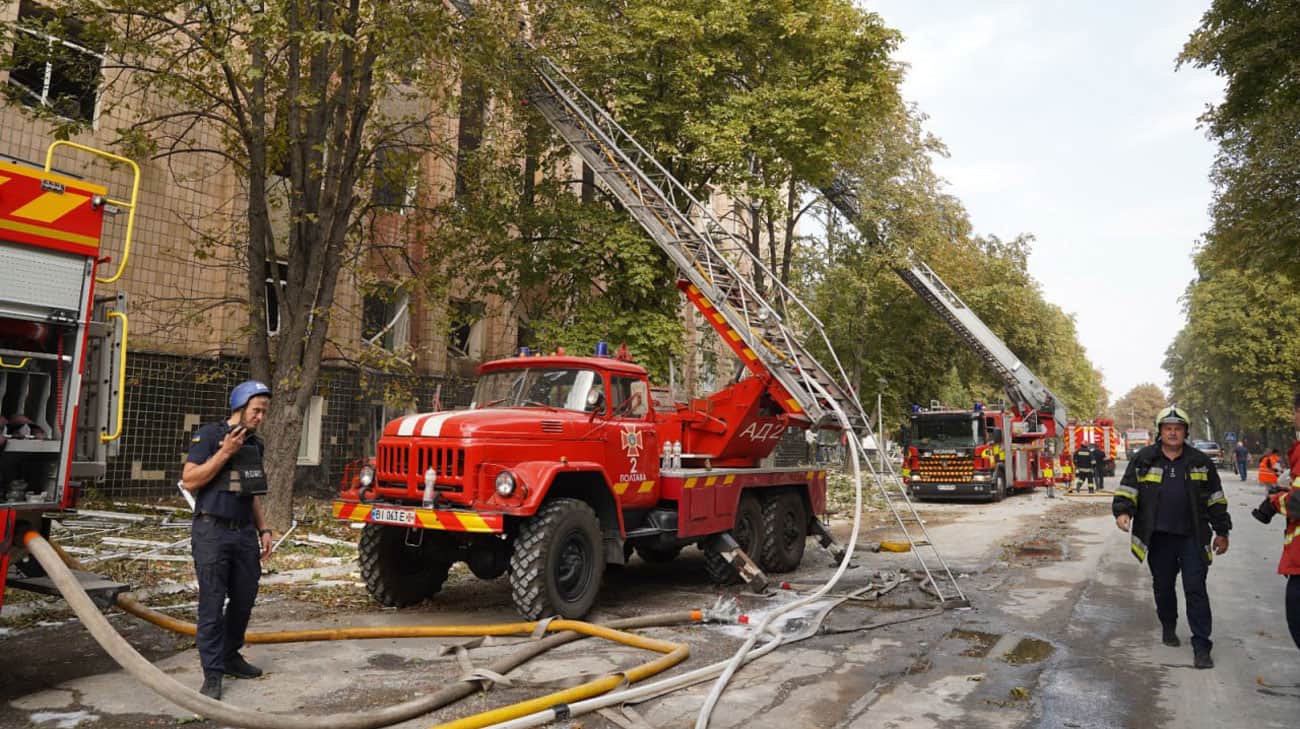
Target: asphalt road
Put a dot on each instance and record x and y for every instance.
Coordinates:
(1062, 633)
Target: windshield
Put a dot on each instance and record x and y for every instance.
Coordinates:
(563, 388)
(946, 432)
(1205, 445)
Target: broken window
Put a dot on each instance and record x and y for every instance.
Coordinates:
(52, 64)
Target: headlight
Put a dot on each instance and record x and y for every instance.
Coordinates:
(367, 476)
(505, 483)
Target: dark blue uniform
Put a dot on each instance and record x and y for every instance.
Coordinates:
(1176, 506)
(225, 545)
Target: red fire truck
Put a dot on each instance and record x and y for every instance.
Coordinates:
(976, 453)
(62, 351)
(565, 464)
(1101, 432)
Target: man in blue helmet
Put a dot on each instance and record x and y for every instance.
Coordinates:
(1172, 504)
(229, 536)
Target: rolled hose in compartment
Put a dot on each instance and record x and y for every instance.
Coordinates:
(164, 685)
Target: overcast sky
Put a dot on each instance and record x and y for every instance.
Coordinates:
(1067, 120)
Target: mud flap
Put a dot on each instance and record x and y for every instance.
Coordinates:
(727, 547)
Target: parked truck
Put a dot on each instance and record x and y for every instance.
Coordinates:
(62, 353)
(1135, 439)
(563, 464)
(974, 453)
(1101, 433)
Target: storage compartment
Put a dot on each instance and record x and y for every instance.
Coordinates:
(35, 374)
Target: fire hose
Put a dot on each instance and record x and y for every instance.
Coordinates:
(53, 562)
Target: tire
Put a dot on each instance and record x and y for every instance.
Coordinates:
(558, 561)
(747, 532)
(785, 532)
(1000, 487)
(398, 575)
(658, 555)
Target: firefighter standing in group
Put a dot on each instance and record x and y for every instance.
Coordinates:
(1270, 466)
(1287, 503)
(1083, 465)
(229, 536)
(1170, 499)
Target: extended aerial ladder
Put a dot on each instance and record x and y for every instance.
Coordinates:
(1025, 390)
(717, 267)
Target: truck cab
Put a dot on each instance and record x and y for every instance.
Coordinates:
(956, 454)
(558, 467)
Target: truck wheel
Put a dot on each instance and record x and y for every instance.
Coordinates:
(999, 487)
(748, 534)
(397, 574)
(785, 532)
(658, 554)
(557, 561)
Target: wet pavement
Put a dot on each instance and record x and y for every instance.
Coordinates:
(1061, 634)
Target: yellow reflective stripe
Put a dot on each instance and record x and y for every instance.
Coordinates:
(1199, 476)
(1127, 492)
(1138, 548)
(1217, 498)
(1291, 535)
(1150, 478)
(1281, 503)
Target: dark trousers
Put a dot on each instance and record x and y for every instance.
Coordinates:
(1293, 607)
(1169, 555)
(227, 562)
(1241, 469)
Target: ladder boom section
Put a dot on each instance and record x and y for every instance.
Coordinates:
(1022, 385)
(713, 261)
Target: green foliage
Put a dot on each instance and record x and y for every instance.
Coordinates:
(1234, 361)
(1139, 406)
(1255, 47)
(888, 338)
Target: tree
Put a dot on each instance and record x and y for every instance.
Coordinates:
(1255, 47)
(1232, 362)
(291, 95)
(755, 99)
(1139, 406)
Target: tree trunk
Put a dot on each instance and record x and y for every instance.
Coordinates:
(283, 431)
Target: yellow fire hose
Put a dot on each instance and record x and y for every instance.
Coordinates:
(53, 560)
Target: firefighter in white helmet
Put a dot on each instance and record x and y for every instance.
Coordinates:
(1171, 501)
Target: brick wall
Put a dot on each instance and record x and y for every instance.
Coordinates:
(168, 396)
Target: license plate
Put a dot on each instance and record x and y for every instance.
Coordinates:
(947, 487)
(393, 516)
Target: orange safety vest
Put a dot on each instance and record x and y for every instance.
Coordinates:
(1268, 469)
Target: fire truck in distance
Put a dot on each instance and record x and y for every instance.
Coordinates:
(975, 453)
(62, 353)
(1135, 439)
(1101, 432)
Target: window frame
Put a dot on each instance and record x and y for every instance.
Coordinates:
(41, 97)
(309, 442)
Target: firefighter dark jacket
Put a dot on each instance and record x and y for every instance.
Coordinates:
(1138, 495)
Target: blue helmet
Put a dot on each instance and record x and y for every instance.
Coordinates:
(246, 391)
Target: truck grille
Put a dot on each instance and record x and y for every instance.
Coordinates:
(945, 469)
(407, 463)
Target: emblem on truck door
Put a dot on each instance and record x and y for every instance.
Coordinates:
(632, 442)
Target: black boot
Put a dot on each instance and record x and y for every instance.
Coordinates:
(211, 686)
(1201, 658)
(239, 668)
(1170, 637)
